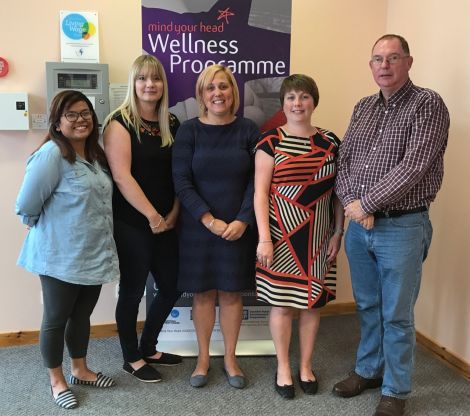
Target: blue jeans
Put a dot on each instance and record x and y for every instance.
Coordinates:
(386, 264)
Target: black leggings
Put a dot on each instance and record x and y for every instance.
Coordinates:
(67, 310)
(141, 253)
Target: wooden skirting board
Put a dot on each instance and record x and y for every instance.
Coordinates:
(13, 339)
(443, 355)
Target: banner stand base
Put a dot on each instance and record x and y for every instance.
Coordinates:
(244, 347)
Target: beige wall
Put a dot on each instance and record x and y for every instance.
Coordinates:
(331, 40)
(441, 53)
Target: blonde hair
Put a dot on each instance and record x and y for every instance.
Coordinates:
(206, 77)
(129, 109)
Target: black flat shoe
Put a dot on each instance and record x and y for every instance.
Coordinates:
(309, 386)
(286, 391)
(165, 359)
(146, 373)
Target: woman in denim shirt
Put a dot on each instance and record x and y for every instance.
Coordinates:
(65, 201)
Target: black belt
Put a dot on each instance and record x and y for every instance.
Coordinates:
(398, 212)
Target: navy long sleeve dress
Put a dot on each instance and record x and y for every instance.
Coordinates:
(213, 170)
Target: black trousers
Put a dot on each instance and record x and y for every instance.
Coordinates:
(141, 253)
(67, 311)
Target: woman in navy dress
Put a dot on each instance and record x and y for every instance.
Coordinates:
(213, 176)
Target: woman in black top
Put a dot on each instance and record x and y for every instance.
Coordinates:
(138, 140)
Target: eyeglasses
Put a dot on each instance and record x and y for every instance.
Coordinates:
(378, 60)
(73, 115)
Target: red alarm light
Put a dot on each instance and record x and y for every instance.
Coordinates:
(3, 67)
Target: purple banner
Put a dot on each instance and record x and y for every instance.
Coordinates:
(251, 37)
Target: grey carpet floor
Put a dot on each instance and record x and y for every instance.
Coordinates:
(438, 390)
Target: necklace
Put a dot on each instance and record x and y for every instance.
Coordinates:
(150, 127)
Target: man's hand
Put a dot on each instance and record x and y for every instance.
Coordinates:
(367, 222)
(354, 211)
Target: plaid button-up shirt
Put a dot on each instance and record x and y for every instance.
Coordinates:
(392, 154)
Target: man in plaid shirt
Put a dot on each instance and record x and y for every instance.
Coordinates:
(390, 168)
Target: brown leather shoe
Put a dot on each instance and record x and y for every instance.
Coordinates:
(355, 384)
(390, 406)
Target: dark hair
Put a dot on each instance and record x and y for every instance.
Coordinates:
(403, 42)
(60, 104)
(299, 82)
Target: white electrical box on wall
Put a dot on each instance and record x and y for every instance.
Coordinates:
(14, 111)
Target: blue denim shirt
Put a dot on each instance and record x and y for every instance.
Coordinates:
(68, 207)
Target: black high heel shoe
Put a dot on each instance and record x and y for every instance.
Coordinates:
(309, 386)
(286, 391)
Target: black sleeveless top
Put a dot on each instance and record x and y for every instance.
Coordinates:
(151, 168)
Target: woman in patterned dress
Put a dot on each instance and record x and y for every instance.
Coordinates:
(300, 224)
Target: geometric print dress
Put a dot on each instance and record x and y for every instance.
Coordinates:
(301, 220)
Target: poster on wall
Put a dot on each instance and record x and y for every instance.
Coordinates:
(252, 38)
(79, 37)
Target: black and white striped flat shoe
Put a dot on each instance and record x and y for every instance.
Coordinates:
(101, 381)
(65, 399)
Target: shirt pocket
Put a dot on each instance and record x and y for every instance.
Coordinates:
(398, 132)
(77, 179)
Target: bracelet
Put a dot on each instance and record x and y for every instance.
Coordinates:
(211, 223)
(339, 231)
(154, 227)
(265, 241)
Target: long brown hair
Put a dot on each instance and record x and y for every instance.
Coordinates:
(60, 104)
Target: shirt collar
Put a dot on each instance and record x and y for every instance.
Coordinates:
(92, 166)
(396, 96)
